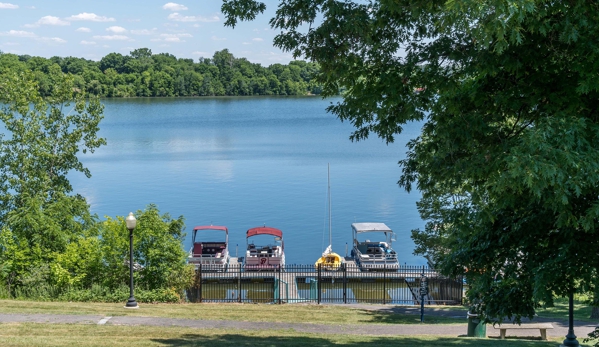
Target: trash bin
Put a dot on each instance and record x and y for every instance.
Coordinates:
(476, 328)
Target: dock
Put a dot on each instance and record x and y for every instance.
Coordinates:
(304, 283)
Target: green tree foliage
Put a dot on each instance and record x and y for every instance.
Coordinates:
(157, 249)
(50, 244)
(41, 138)
(144, 74)
(508, 154)
(39, 147)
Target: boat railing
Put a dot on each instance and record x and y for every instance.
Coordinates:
(376, 256)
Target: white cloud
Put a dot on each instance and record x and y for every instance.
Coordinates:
(48, 20)
(257, 39)
(7, 6)
(52, 39)
(84, 30)
(90, 17)
(246, 43)
(199, 53)
(171, 6)
(27, 34)
(116, 29)
(143, 31)
(218, 38)
(88, 42)
(172, 37)
(177, 17)
(18, 33)
(169, 39)
(112, 37)
(276, 57)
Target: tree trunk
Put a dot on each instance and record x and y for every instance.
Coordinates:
(595, 312)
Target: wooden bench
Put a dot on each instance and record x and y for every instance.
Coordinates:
(541, 326)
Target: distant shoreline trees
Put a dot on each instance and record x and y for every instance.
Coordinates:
(143, 74)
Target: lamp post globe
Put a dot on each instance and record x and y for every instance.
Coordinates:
(131, 221)
(131, 224)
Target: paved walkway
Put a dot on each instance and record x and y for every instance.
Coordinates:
(560, 328)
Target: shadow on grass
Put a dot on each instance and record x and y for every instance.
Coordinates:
(349, 341)
(431, 316)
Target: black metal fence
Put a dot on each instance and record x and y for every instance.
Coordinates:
(306, 283)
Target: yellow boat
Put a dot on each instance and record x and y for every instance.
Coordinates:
(329, 260)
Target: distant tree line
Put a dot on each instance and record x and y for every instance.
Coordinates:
(143, 74)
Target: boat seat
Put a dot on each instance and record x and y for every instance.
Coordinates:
(362, 248)
(197, 249)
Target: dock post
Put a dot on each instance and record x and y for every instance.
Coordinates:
(384, 284)
(318, 284)
(344, 282)
(200, 285)
(280, 284)
(239, 284)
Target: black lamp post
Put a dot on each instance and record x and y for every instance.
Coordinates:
(131, 222)
(570, 340)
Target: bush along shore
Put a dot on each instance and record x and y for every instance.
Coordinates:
(93, 265)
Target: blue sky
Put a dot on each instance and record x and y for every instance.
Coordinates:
(92, 29)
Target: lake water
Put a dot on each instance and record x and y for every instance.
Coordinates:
(247, 162)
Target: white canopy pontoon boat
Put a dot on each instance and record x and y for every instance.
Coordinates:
(374, 255)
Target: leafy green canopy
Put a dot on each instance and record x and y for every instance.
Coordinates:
(39, 145)
(50, 244)
(145, 74)
(507, 161)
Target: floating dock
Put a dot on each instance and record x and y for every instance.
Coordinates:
(304, 283)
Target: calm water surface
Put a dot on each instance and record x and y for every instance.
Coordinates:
(246, 162)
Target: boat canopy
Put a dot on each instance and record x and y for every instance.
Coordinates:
(368, 227)
(210, 227)
(264, 231)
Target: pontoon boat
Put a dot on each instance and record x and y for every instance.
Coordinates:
(374, 255)
(210, 255)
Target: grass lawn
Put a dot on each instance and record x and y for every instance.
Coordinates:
(93, 335)
(582, 311)
(298, 313)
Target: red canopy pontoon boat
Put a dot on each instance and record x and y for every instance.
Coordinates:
(264, 257)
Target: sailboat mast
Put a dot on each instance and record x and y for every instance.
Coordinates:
(329, 186)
